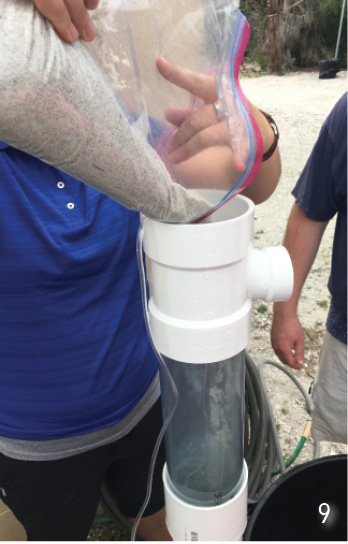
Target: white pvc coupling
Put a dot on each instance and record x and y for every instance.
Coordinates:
(204, 278)
(223, 523)
(269, 274)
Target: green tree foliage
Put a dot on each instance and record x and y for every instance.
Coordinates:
(307, 32)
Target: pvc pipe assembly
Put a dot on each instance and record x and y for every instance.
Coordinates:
(204, 278)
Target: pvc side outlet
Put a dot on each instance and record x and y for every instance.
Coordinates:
(269, 274)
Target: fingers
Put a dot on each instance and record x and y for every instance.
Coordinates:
(287, 340)
(206, 170)
(290, 353)
(200, 85)
(177, 116)
(209, 137)
(91, 4)
(191, 124)
(290, 360)
(203, 141)
(201, 129)
(69, 18)
(298, 353)
(285, 355)
(197, 132)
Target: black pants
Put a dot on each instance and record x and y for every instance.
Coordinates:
(57, 500)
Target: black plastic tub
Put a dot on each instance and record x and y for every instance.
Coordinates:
(308, 503)
(328, 68)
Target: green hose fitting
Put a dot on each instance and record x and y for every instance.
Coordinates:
(298, 448)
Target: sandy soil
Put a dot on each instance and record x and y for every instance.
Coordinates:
(299, 103)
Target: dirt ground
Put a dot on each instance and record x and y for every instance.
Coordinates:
(299, 102)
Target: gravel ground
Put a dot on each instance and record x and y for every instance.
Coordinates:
(299, 103)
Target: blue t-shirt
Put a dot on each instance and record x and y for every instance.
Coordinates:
(321, 192)
(74, 354)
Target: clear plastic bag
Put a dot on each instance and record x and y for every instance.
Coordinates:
(99, 111)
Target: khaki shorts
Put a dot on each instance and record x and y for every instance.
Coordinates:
(329, 418)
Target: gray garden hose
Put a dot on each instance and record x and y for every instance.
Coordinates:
(262, 448)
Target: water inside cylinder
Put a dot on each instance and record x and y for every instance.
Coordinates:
(204, 440)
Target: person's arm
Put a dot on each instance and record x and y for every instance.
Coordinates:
(266, 180)
(302, 240)
(69, 18)
(207, 152)
(201, 148)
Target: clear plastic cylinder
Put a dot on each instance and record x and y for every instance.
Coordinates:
(204, 440)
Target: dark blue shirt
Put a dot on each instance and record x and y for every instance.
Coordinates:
(74, 354)
(321, 192)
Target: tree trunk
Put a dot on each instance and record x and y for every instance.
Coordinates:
(273, 36)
